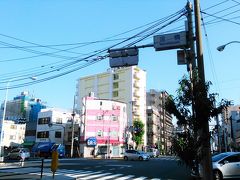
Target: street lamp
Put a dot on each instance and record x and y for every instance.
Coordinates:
(4, 115)
(222, 47)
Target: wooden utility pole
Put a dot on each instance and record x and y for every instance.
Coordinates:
(204, 130)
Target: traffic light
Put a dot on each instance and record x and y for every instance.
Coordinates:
(123, 57)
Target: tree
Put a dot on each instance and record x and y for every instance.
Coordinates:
(190, 108)
(138, 132)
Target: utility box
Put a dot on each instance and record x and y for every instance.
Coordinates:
(182, 57)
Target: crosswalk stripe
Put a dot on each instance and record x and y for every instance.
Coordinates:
(87, 174)
(95, 176)
(125, 177)
(140, 178)
(113, 176)
(73, 174)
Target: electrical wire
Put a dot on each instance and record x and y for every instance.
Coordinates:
(224, 19)
(213, 69)
(183, 12)
(146, 33)
(213, 6)
(89, 62)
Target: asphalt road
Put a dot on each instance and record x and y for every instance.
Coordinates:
(163, 168)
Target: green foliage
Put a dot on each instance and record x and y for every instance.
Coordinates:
(138, 130)
(192, 107)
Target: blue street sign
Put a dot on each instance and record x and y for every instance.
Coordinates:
(92, 141)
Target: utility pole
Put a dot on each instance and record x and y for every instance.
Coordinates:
(191, 60)
(73, 115)
(204, 130)
(219, 148)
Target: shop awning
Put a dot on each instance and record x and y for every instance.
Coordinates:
(28, 143)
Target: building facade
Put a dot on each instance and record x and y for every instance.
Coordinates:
(160, 126)
(154, 130)
(13, 133)
(58, 126)
(51, 125)
(103, 127)
(126, 85)
(230, 129)
(24, 108)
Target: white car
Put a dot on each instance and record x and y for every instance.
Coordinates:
(226, 165)
(135, 155)
(19, 153)
(152, 152)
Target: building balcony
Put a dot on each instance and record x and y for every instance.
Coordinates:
(136, 76)
(136, 94)
(136, 84)
(137, 103)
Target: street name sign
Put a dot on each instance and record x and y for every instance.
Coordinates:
(170, 41)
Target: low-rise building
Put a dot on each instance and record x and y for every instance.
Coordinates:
(55, 125)
(103, 127)
(13, 133)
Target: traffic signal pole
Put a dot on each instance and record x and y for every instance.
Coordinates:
(204, 130)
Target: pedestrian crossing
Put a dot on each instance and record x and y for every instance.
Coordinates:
(166, 158)
(67, 174)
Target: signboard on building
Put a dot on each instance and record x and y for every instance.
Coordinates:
(92, 141)
(170, 41)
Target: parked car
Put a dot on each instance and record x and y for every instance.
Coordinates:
(19, 153)
(152, 152)
(225, 165)
(135, 155)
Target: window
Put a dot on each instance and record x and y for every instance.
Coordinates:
(114, 118)
(115, 85)
(115, 76)
(232, 159)
(13, 127)
(12, 137)
(30, 133)
(69, 136)
(99, 133)
(43, 134)
(58, 134)
(113, 133)
(115, 93)
(45, 120)
(58, 120)
(99, 117)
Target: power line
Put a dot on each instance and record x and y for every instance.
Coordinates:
(213, 6)
(71, 66)
(224, 19)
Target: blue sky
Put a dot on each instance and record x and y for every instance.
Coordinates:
(63, 24)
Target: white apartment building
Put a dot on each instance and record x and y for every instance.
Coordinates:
(13, 133)
(51, 125)
(126, 84)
